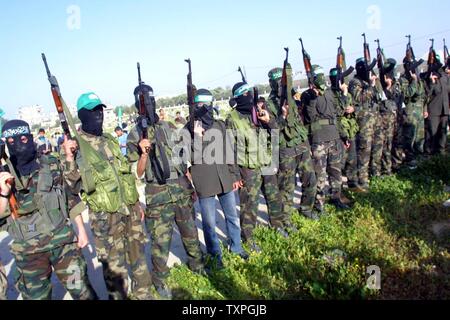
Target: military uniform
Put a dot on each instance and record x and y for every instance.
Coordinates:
(388, 117)
(167, 202)
(413, 119)
(295, 153)
(44, 239)
(253, 154)
(320, 116)
(366, 99)
(109, 189)
(348, 129)
(3, 282)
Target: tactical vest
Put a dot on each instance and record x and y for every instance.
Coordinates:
(347, 122)
(253, 147)
(46, 213)
(114, 182)
(294, 132)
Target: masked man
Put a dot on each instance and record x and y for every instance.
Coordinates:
(168, 192)
(44, 239)
(109, 189)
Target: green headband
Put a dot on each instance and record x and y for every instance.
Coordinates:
(243, 89)
(203, 98)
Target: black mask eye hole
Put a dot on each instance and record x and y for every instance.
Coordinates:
(24, 139)
(11, 141)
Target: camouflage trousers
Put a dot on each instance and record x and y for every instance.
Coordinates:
(33, 273)
(249, 194)
(293, 161)
(382, 156)
(327, 159)
(368, 122)
(350, 164)
(383, 136)
(3, 282)
(119, 242)
(398, 141)
(160, 222)
(272, 195)
(414, 134)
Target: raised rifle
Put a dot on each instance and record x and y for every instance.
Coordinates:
(143, 112)
(412, 64)
(242, 75)
(284, 81)
(446, 54)
(161, 169)
(341, 66)
(431, 63)
(190, 97)
(370, 64)
(57, 98)
(307, 64)
(380, 64)
(255, 92)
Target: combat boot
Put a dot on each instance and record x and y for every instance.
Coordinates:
(164, 291)
(339, 204)
(345, 200)
(358, 189)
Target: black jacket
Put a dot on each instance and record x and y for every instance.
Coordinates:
(438, 101)
(212, 176)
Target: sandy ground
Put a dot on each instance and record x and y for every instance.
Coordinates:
(177, 253)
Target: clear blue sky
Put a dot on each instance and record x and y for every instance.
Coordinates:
(217, 35)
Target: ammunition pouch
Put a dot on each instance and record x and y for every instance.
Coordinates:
(48, 212)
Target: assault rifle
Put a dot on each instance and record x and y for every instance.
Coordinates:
(307, 64)
(341, 66)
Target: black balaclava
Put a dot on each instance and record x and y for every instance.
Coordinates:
(92, 120)
(149, 101)
(205, 113)
(362, 71)
(23, 155)
(244, 103)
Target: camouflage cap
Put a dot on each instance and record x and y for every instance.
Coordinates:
(275, 74)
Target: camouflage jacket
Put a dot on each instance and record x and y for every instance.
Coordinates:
(365, 97)
(113, 185)
(347, 124)
(177, 187)
(394, 99)
(32, 205)
(289, 143)
(252, 142)
(414, 95)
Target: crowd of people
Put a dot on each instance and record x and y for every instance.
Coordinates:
(365, 129)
